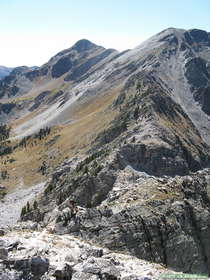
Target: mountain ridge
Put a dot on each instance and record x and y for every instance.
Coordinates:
(122, 141)
(122, 56)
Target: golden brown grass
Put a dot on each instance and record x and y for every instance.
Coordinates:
(75, 138)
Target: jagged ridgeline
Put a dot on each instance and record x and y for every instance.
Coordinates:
(122, 142)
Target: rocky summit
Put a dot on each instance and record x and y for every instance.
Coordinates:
(105, 162)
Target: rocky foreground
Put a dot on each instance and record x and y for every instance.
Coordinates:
(110, 241)
(29, 253)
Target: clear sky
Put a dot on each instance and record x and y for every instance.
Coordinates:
(32, 31)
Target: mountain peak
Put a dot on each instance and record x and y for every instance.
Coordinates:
(83, 45)
(171, 30)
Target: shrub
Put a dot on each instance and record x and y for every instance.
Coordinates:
(133, 140)
(35, 205)
(28, 207)
(23, 211)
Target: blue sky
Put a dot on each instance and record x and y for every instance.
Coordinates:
(33, 31)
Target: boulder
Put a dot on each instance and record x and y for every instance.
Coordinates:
(63, 273)
(39, 265)
(104, 268)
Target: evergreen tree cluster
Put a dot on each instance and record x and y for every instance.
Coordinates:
(4, 132)
(43, 132)
(27, 208)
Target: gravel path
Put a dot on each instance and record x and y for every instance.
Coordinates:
(10, 209)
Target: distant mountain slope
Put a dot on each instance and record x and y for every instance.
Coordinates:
(4, 71)
(178, 58)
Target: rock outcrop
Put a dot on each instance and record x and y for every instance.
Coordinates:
(39, 255)
(160, 219)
